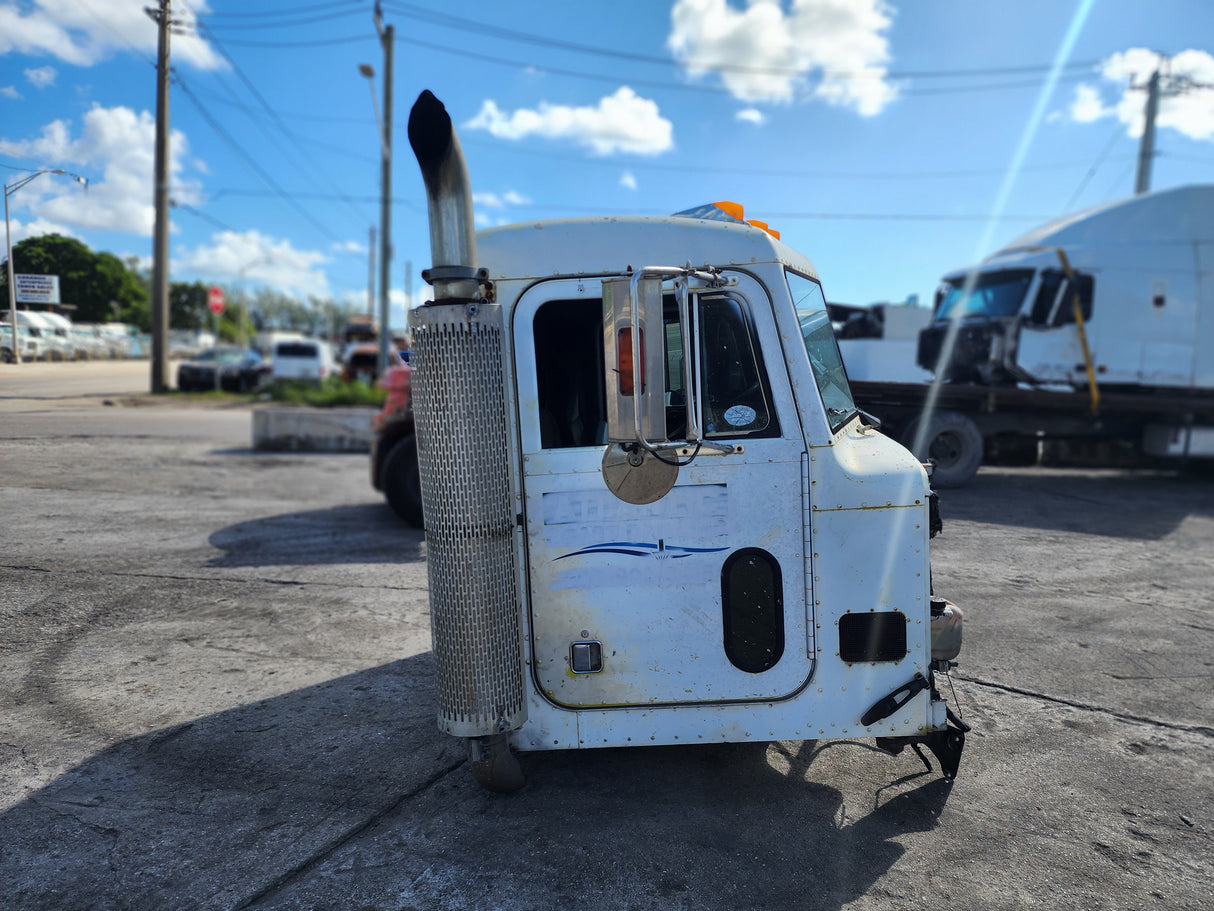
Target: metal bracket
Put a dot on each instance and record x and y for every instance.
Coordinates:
(883, 708)
(945, 745)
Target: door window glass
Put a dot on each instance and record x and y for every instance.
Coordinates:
(569, 373)
(735, 394)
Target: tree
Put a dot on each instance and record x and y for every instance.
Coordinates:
(188, 305)
(99, 285)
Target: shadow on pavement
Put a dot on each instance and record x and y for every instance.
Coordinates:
(1140, 505)
(358, 533)
(345, 795)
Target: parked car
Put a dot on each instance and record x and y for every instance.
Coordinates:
(362, 363)
(240, 370)
(302, 359)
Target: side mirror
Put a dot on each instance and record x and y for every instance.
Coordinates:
(634, 360)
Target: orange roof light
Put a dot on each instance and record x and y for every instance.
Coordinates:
(730, 208)
(724, 210)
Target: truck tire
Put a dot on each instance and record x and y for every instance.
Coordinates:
(401, 484)
(493, 765)
(952, 443)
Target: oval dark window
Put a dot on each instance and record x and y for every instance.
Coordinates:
(752, 604)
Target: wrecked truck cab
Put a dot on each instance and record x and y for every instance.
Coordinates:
(653, 513)
(394, 447)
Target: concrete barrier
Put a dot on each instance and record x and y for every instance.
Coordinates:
(313, 429)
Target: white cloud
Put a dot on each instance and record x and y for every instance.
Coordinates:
(252, 258)
(1087, 105)
(37, 228)
(1188, 111)
(10, 91)
(628, 180)
(750, 115)
(349, 246)
(763, 53)
(622, 122)
(114, 152)
(494, 201)
(85, 33)
(41, 77)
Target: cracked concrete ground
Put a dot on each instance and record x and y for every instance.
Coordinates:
(216, 692)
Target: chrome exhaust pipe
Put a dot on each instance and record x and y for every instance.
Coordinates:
(449, 201)
(463, 451)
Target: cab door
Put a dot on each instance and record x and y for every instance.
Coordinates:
(700, 595)
(1048, 347)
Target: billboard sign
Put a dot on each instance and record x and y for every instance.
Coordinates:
(37, 289)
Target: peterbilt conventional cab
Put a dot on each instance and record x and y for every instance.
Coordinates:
(653, 512)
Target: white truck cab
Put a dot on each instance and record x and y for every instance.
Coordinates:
(654, 513)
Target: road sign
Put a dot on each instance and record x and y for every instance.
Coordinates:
(215, 300)
(37, 289)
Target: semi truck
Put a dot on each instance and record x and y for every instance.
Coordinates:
(1097, 328)
(653, 513)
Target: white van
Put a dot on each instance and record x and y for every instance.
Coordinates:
(55, 348)
(302, 359)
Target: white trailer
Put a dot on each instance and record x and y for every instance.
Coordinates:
(1098, 327)
(653, 512)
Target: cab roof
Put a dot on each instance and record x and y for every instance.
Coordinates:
(1181, 215)
(611, 244)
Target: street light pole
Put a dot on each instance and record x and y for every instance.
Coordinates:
(12, 291)
(387, 36)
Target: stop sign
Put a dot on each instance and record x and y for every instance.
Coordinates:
(215, 300)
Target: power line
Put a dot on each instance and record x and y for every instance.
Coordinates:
(291, 115)
(318, 42)
(471, 142)
(198, 213)
(277, 120)
(104, 23)
(459, 23)
(1078, 68)
(1092, 170)
(313, 194)
(281, 23)
(250, 161)
(616, 78)
(590, 211)
(286, 11)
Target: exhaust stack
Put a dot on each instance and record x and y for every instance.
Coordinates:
(459, 411)
(448, 198)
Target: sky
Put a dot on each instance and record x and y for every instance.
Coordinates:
(891, 141)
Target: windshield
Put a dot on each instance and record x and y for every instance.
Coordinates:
(223, 355)
(994, 294)
(823, 350)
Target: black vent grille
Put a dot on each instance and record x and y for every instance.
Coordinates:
(872, 637)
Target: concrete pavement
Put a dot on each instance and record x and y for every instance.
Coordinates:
(216, 692)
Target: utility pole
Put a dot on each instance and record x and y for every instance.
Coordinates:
(1146, 148)
(371, 275)
(408, 292)
(1162, 84)
(160, 237)
(387, 37)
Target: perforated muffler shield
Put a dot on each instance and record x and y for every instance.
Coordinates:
(459, 412)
